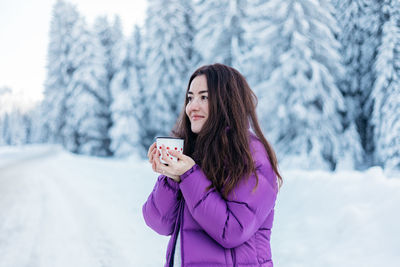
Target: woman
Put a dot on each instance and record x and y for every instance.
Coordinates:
(217, 201)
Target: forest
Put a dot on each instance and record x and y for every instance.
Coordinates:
(326, 74)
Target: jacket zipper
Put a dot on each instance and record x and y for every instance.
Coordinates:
(177, 226)
(233, 257)
(181, 228)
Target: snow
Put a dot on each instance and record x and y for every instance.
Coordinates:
(337, 219)
(60, 209)
(66, 210)
(14, 154)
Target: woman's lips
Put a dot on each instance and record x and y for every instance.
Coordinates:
(195, 118)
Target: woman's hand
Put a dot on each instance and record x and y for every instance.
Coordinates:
(174, 169)
(152, 152)
(154, 159)
(153, 156)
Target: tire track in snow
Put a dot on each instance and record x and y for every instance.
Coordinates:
(65, 210)
(92, 209)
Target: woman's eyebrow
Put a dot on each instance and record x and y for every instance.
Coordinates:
(201, 92)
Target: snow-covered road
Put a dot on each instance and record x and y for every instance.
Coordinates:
(54, 213)
(58, 209)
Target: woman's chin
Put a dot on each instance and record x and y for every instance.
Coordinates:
(196, 130)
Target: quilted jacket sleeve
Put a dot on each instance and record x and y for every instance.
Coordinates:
(161, 208)
(233, 221)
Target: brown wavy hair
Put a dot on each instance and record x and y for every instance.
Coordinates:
(222, 148)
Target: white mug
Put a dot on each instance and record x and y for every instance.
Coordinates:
(170, 143)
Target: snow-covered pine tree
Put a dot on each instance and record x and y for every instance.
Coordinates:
(386, 92)
(38, 134)
(139, 64)
(220, 31)
(20, 121)
(5, 130)
(263, 26)
(27, 121)
(87, 108)
(360, 35)
(17, 127)
(301, 104)
(168, 63)
(190, 29)
(126, 89)
(61, 65)
(262, 37)
(111, 40)
(4, 91)
(2, 129)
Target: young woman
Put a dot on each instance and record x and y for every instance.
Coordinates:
(217, 201)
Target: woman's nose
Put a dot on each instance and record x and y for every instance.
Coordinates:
(194, 104)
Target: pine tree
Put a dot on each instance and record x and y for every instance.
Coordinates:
(190, 31)
(27, 122)
(360, 36)
(87, 121)
(76, 98)
(2, 129)
(263, 38)
(301, 87)
(385, 96)
(111, 40)
(5, 130)
(17, 127)
(38, 133)
(220, 31)
(4, 92)
(125, 89)
(139, 65)
(167, 53)
(60, 69)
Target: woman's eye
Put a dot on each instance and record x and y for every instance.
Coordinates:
(189, 98)
(204, 97)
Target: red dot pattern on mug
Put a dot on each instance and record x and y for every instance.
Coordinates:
(178, 149)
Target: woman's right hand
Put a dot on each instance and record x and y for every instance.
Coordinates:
(152, 153)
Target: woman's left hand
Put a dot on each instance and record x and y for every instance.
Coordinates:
(174, 169)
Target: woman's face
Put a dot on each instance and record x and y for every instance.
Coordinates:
(197, 106)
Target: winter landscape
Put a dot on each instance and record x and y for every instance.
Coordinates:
(73, 171)
(61, 209)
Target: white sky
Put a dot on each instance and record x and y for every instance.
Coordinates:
(24, 28)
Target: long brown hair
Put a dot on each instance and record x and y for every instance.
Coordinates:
(222, 148)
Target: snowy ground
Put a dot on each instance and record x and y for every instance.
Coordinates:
(59, 209)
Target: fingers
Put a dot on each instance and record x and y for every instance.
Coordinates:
(156, 157)
(167, 159)
(155, 164)
(150, 152)
(155, 154)
(176, 154)
(150, 149)
(158, 166)
(150, 156)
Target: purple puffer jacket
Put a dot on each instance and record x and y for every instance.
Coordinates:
(214, 231)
